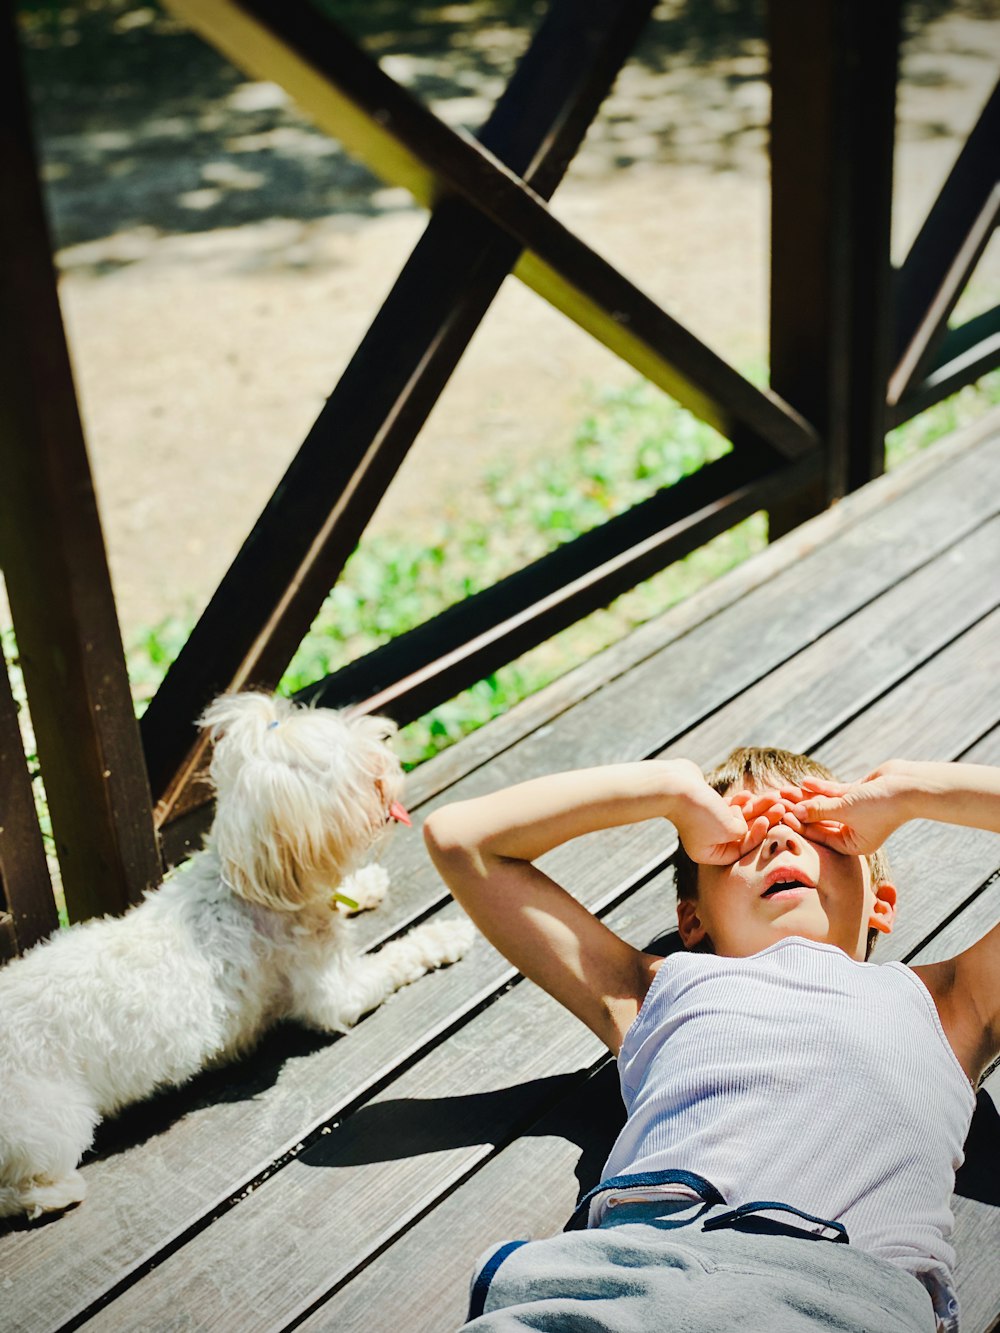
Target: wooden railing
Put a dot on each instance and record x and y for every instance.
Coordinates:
(854, 347)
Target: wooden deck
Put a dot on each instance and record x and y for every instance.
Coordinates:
(348, 1184)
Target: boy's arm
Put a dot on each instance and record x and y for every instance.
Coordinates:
(483, 849)
(966, 988)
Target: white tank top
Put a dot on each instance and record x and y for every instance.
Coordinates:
(803, 1076)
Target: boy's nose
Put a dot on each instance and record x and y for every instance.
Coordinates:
(780, 839)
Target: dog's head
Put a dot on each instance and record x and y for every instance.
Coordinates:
(301, 795)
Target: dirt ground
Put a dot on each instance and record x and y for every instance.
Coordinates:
(221, 258)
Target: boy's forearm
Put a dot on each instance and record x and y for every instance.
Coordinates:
(967, 794)
(528, 820)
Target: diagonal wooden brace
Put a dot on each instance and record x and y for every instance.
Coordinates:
(301, 541)
(346, 93)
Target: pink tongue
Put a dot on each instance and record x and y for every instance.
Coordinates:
(397, 811)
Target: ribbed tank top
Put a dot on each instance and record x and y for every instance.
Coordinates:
(803, 1076)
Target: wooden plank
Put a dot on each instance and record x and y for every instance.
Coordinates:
(53, 557)
(430, 1129)
(26, 899)
(255, 1216)
(976, 1202)
(298, 546)
(345, 92)
(220, 1141)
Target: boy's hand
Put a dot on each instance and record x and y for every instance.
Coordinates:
(711, 829)
(763, 809)
(854, 818)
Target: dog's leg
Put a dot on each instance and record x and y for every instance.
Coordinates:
(45, 1127)
(335, 998)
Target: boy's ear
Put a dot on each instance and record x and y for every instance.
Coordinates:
(884, 911)
(689, 924)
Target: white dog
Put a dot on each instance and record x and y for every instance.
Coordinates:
(245, 934)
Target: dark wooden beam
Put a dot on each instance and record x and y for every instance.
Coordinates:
(27, 908)
(301, 541)
(431, 663)
(966, 354)
(833, 79)
(53, 558)
(919, 354)
(346, 92)
(956, 215)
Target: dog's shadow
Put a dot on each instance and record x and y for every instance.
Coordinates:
(235, 1081)
(239, 1080)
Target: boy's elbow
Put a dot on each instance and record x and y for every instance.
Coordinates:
(442, 835)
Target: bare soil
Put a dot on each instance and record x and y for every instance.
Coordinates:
(220, 258)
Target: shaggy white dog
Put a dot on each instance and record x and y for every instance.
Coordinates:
(245, 934)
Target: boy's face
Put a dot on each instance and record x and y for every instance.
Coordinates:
(787, 885)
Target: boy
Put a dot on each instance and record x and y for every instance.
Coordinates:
(783, 1095)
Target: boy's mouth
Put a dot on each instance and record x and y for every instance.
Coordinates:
(785, 881)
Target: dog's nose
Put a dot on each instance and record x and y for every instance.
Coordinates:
(399, 812)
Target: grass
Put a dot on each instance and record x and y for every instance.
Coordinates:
(631, 443)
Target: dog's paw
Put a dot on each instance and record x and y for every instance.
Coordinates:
(444, 942)
(53, 1196)
(367, 887)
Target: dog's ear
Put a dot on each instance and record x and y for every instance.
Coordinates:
(247, 710)
(275, 841)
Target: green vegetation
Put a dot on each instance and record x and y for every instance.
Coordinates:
(631, 443)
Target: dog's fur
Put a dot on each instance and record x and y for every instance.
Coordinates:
(107, 1012)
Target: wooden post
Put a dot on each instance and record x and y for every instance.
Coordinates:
(27, 909)
(53, 558)
(833, 81)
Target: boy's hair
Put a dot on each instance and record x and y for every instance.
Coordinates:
(755, 768)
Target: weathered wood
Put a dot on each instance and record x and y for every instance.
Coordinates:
(433, 1127)
(298, 547)
(201, 1147)
(833, 76)
(588, 873)
(27, 907)
(53, 558)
